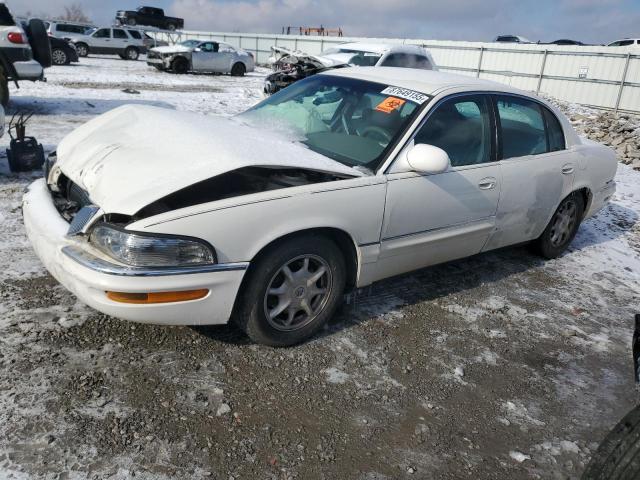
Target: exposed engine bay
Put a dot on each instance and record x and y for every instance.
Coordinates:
(290, 66)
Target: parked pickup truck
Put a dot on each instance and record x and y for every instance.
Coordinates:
(149, 16)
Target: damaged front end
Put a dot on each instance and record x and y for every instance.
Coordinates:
(72, 201)
(290, 66)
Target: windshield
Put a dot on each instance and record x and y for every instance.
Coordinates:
(358, 58)
(191, 43)
(348, 120)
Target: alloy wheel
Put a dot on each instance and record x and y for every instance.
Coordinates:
(59, 57)
(298, 292)
(563, 223)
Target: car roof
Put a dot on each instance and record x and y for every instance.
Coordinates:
(378, 47)
(424, 81)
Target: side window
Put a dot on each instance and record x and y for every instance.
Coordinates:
(395, 60)
(117, 33)
(226, 49)
(135, 34)
(554, 131)
(462, 128)
(103, 33)
(522, 127)
(208, 47)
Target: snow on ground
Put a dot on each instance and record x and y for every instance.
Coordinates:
(497, 366)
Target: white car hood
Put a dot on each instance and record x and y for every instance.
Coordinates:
(172, 49)
(135, 155)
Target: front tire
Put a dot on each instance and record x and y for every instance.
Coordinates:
(562, 227)
(180, 65)
(238, 70)
(131, 53)
(60, 57)
(82, 49)
(131, 22)
(291, 291)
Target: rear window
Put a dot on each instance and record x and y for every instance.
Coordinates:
(70, 28)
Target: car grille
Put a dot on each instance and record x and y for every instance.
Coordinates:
(153, 55)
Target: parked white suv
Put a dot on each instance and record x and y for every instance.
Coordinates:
(68, 30)
(24, 53)
(128, 44)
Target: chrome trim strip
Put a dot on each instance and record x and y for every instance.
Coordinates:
(102, 266)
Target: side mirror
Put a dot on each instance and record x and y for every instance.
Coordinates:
(428, 159)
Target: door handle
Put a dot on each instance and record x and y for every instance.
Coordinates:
(567, 169)
(487, 183)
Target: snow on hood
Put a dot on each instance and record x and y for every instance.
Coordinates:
(172, 49)
(135, 155)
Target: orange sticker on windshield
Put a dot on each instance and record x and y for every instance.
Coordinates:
(390, 104)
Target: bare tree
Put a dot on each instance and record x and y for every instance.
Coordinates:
(74, 13)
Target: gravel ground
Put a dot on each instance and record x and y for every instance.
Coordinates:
(498, 366)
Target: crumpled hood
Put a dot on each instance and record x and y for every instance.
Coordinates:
(172, 49)
(135, 155)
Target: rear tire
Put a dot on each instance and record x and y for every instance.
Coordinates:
(180, 65)
(238, 70)
(171, 27)
(82, 49)
(60, 57)
(4, 90)
(131, 53)
(39, 41)
(306, 276)
(562, 227)
(618, 456)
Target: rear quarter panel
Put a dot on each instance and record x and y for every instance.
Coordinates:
(597, 167)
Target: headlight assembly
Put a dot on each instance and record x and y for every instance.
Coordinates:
(150, 250)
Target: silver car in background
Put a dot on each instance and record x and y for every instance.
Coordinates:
(202, 57)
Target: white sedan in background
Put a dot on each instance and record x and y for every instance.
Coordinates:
(343, 179)
(201, 57)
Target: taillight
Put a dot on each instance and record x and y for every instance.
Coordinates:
(16, 37)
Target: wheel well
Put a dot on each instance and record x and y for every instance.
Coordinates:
(342, 239)
(586, 195)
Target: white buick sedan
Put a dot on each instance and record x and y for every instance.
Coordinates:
(341, 180)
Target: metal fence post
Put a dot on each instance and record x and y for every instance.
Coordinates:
(541, 76)
(480, 62)
(624, 78)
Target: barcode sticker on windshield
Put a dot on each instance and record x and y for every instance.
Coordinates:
(407, 94)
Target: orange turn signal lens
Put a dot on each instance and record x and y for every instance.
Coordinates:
(157, 297)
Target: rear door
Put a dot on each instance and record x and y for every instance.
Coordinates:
(430, 219)
(120, 40)
(536, 169)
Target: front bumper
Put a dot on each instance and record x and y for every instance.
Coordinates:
(89, 277)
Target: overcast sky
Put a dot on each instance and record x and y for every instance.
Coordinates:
(593, 21)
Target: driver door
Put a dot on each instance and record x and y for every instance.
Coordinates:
(101, 42)
(431, 219)
(206, 57)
